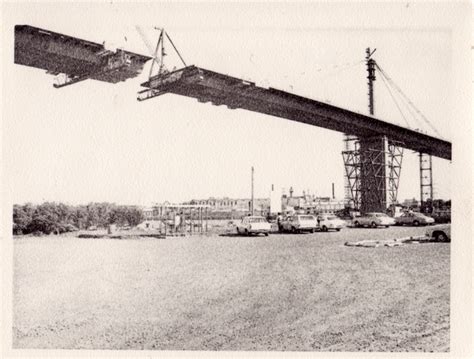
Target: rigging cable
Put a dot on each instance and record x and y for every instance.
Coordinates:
(409, 101)
(394, 100)
(175, 49)
(405, 104)
(347, 66)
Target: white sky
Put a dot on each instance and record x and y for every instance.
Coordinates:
(94, 142)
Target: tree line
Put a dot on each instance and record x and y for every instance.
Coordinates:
(52, 217)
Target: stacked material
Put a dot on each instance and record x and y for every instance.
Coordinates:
(396, 242)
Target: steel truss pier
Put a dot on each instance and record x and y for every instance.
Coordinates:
(351, 157)
(394, 164)
(426, 178)
(373, 167)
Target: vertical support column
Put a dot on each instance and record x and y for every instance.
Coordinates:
(252, 200)
(352, 166)
(200, 220)
(183, 221)
(165, 221)
(394, 166)
(351, 155)
(370, 78)
(426, 181)
(373, 177)
(190, 216)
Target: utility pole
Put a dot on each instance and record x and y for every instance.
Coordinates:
(252, 203)
(370, 77)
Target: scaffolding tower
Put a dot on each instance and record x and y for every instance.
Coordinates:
(426, 179)
(352, 166)
(372, 164)
(394, 163)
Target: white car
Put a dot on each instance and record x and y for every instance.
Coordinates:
(440, 233)
(254, 225)
(374, 220)
(330, 221)
(300, 223)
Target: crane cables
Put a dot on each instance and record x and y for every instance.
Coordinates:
(387, 84)
(395, 100)
(336, 69)
(158, 59)
(412, 109)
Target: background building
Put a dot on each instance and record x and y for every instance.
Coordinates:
(226, 207)
(313, 204)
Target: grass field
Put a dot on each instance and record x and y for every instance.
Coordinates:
(282, 292)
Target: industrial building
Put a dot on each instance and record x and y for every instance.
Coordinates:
(231, 208)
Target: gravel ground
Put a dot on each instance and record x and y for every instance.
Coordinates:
(304, 292)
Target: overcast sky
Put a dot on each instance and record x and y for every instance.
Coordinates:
(94, 142)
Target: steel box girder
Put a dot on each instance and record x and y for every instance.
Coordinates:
(58, 53)
(209, 86)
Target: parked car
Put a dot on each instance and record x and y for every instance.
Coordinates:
(327, 221)
(442, 216)
(373, 219)
(414, 219)
(253, 225)
(300, 223)
(440, 232)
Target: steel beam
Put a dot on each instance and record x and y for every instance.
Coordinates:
(220, 89)
(78, 59)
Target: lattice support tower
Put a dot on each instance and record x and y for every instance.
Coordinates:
(373, 167)
(394, 164)
(381, 163)
(352, 168)
(426, 179)
(373, 179)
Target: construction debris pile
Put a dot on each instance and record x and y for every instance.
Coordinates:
(396, 242)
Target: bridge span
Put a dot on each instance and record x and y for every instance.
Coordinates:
(372, 164)
(219, 89)
(373, 168)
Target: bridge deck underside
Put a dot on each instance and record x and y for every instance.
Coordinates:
(62, 54)
(219, 89)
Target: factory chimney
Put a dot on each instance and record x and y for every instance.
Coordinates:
(252, 200)
(333, 197)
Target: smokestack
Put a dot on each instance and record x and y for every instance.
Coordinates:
(252, 203)
(333, 197)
